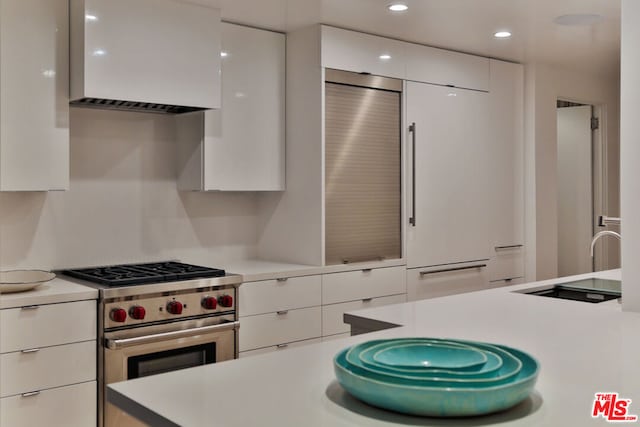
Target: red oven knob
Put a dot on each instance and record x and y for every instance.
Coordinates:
(137, 312)
(225, 300)
(210, 303)
(118, 314)
(174, 307)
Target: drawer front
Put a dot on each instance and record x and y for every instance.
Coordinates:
(507, 262)
(282, 294)
(361, 284)
(336, 337)
(49, 367)
(425, 283)
(279, 347)
(71, 406)
(332, 315)
(271, 329)
(48, 325)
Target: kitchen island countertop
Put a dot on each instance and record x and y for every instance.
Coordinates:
(583, 349)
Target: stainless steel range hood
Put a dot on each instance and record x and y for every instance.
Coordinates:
(159, 56)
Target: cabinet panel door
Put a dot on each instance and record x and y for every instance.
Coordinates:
(48, 325)
(244, 141)
(425, 283)
(451, 167)
(267, 296)
(362, 53)
(34, 97)
(430, 65)
(71, 406)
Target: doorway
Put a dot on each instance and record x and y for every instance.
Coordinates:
(579, 186)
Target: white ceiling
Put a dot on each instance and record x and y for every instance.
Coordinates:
(464, 25)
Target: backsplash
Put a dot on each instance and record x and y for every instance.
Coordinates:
(123, 205)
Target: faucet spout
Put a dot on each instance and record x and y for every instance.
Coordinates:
(603, 233)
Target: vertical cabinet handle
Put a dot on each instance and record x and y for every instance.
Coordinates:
(412, 129)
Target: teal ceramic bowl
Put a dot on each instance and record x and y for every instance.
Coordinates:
(487, 370)
(509, 369)
(437, 401)
(430, 355)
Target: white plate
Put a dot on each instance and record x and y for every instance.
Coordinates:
(23, 280)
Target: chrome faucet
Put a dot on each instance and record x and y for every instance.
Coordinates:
(603, 233)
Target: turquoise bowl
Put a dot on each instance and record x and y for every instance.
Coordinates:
(509, 369)
(487, 370)
(430, 355)
(411, 398)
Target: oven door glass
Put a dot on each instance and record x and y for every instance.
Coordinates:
(170, 360)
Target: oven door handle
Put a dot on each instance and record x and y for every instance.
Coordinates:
(116, 344)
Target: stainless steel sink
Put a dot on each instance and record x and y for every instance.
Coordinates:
(586, 290)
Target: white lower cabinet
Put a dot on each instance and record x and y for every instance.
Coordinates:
(433, 282)
(364, 283)
(279, 347)
(70, 406)
(506, 282)
(507, 262)
(332, 315)
(48, 365)
(284, 326)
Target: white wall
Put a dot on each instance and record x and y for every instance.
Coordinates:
(543, 86)
(630, 155)
(123, 205)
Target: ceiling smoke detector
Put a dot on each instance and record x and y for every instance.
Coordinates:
(579, 19)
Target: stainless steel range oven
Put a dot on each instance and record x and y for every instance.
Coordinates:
(160, 317)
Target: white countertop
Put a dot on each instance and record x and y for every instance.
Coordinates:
(255, 270)
(583, 349)
(57, 290)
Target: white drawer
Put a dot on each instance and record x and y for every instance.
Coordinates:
(71, 406)
(360, 284)
(47, 325)
(507, 262)
(332, 315)
(270, 329)
(281, 294)
(433, 282)
(279, 347)
(47, 368)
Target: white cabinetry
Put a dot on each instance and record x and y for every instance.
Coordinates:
(449, 176)
(430, 65)
(505, 147)
(241, 146)
(433, 282)
(276, 313)
(50, 371)
(34, 95)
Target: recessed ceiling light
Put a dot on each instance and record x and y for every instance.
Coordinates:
(90, 17)
(385, 57)
(578, 19)
(502, 34)
(397, 7)
(99, 52)
(223, 54)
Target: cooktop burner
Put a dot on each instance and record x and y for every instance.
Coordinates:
(139, 274)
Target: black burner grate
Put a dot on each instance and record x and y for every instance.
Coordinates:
(139, 274)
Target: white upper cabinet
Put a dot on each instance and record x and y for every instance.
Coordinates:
(240, 147)
(34, 95)
(438, 66)
(362, 53)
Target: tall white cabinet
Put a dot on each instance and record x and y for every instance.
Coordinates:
(241, 146)
(34, 95)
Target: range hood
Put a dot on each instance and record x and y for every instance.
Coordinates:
(160, 56)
